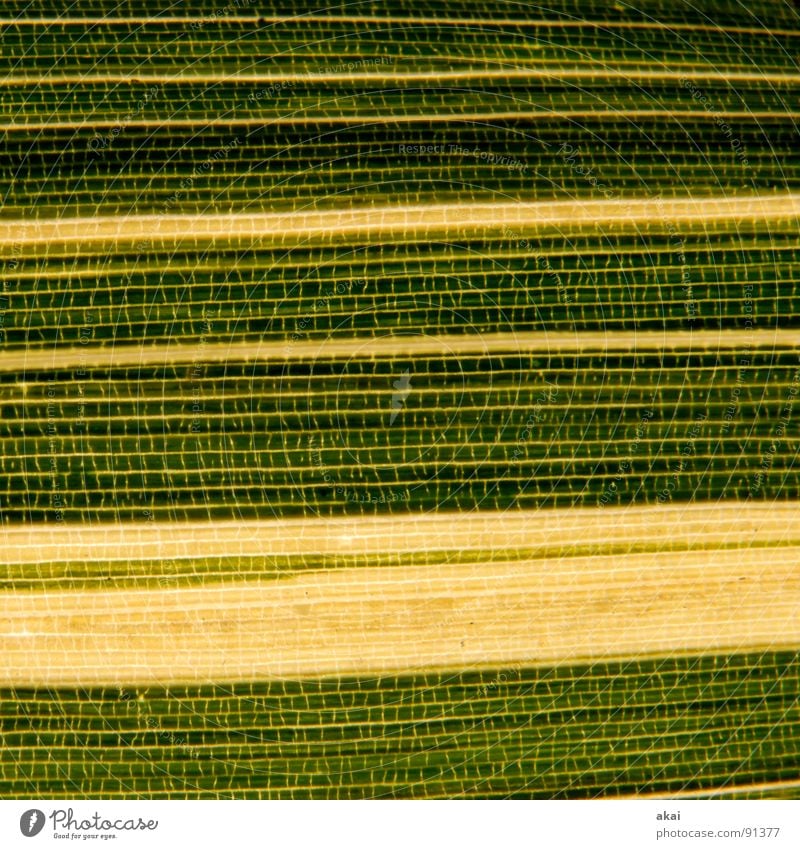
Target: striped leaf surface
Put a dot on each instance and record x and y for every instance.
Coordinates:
(399, 401)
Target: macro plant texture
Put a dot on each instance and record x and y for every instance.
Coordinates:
(399, 400)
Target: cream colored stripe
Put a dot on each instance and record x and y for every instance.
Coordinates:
(378, 621)
(657, 527)
(508, 218)
(445, 345)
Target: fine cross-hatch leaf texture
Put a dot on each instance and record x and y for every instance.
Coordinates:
(399, 400)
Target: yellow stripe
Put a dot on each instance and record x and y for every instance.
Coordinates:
(536, 112)
(375, 20)
(655, 527)
(395, 620)
(466, 75)
(445, 345)
(511, 219)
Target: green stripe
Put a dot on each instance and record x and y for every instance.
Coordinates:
(578, 282)
(667, 725)
(305, 437)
